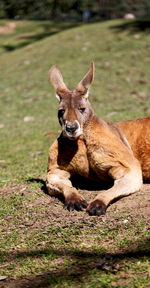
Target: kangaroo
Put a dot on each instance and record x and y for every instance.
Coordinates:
(94, 149)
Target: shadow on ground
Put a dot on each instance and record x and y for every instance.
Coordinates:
(49, 29)
(41, 181)
(84, 263)
(52, 28)
(139, 25)
(78, 182)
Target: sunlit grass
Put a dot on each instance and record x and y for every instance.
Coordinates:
(31, 243)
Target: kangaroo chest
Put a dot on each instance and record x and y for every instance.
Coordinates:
(74, 158)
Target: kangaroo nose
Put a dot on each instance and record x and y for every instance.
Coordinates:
(71, 127)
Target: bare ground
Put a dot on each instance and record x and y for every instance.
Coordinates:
(51, 213)
(8, 28)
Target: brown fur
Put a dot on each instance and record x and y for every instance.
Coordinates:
(137, 133)
(95, 149)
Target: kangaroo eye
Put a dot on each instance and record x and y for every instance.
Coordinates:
(82, 110)
(61, 112)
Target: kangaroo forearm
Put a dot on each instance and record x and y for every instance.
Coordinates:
(124, 186)
(57, 182)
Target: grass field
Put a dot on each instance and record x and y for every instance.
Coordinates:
(42, 244)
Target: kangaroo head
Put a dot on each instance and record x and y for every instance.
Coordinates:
(74, 108)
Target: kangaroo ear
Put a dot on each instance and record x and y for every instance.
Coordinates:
(87, 80)
(56, 80)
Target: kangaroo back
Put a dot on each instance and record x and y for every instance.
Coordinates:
(137, 133)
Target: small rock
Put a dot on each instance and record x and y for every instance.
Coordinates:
(129, 16)
(142, 94)
(84, 48)
(127, 79)
(137, 36)
(27, 62)
(77, 37)
(34, 154)
(29, 224)
(23, 189)
(1, 126)
(3, 278)
(111, 114)
(106, 64)
(28, 118)
(107, 267)
(87, 44)
(125, 221)
(30, 100)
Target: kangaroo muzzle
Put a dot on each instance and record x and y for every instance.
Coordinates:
(72, 130)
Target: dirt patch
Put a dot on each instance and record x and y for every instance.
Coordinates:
(8, 28)
(10, 190)
(44, 212)
(135, 204)
(72, 235)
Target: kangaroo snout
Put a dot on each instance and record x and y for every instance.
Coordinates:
(72, 129)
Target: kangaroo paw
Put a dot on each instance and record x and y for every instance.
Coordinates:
(75, 202)
(96, 207)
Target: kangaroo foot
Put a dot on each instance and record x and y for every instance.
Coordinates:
(76, 202)
(96, 207)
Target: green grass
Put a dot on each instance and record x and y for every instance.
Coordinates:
(34, 238)
(121, 87)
